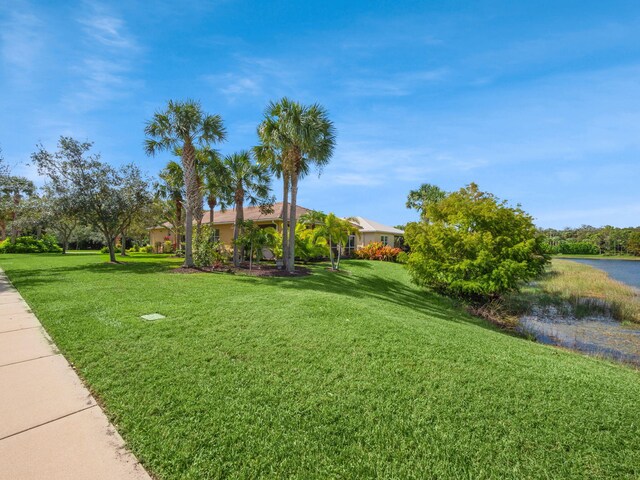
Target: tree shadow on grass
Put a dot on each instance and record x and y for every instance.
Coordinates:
(379, 288)
(36, 276)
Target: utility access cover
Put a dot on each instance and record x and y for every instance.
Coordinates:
(153, 316)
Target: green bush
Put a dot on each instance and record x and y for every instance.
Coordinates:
(167, 247)
(470, 244)
(147, 249)
(402, 257)
(29, 244)
(105, 249)
(578, 248)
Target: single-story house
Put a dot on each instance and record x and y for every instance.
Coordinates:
(368, 230)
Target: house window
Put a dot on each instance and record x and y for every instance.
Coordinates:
(215, 235)
(351, 245)
(384, 239)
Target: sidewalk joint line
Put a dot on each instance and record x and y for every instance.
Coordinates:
(29, 360)
(18, 329)
(47, 422)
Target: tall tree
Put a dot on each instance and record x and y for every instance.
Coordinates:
(251, 184)
(105, 197)
(424, 196)
(184, 125)
(13, 189)
(295, 137)
(62, 214)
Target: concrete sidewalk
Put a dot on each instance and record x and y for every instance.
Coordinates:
(50, 426)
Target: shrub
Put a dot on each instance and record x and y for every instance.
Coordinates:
(29, 244)
(105, 249)
(206, 251)
(471, 244)
(378, 251)
(146, 249)
(167, 247)
(403, 257)
(308, 248)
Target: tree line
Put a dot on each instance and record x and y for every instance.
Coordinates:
(83, 190)
(588, 240)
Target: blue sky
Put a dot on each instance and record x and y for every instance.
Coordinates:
(537, 102)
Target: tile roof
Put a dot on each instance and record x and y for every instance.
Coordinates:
(250, 213)
(367, 225)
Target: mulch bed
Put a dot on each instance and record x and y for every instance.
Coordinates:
(256, 271)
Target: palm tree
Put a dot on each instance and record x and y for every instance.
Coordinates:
(312, 218)
(184, 125)
(216, 184)
(171, 189)
(250, 183)
(293, 137)
(335, 231)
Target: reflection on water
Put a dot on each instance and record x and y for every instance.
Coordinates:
(594, 335)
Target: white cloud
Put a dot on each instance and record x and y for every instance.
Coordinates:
(22, 39)
(235, 85)
(104, 74)
(107, 30)
(399, 84)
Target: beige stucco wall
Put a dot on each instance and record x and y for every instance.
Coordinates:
(158, 235)
(363, 239)
(226, 233)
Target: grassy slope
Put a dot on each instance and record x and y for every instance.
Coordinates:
(328, 376)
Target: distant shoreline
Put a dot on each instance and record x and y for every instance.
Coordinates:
(599, 257)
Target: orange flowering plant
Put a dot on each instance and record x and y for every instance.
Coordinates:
(378, 251)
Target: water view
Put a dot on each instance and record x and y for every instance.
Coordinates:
(625, 271)
(596, 333)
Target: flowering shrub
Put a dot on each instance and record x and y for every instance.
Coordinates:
(378, 251)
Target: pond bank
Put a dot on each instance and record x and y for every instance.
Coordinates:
(580, 307)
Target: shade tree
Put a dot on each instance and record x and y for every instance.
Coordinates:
(103, 196)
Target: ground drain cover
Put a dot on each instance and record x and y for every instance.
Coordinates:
(153, 316)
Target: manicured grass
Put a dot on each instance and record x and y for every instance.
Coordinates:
(584, 289)
(353, 375)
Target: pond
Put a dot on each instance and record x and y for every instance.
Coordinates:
(626, 271)
(593, 335)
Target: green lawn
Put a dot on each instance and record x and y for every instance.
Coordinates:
(357, 375)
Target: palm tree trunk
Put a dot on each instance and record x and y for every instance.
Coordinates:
(292, 223)
(285, 226)
(193, 198)
(236, 228)
(212, 205)
(339, 249)
(188, 240)
(331, 254)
